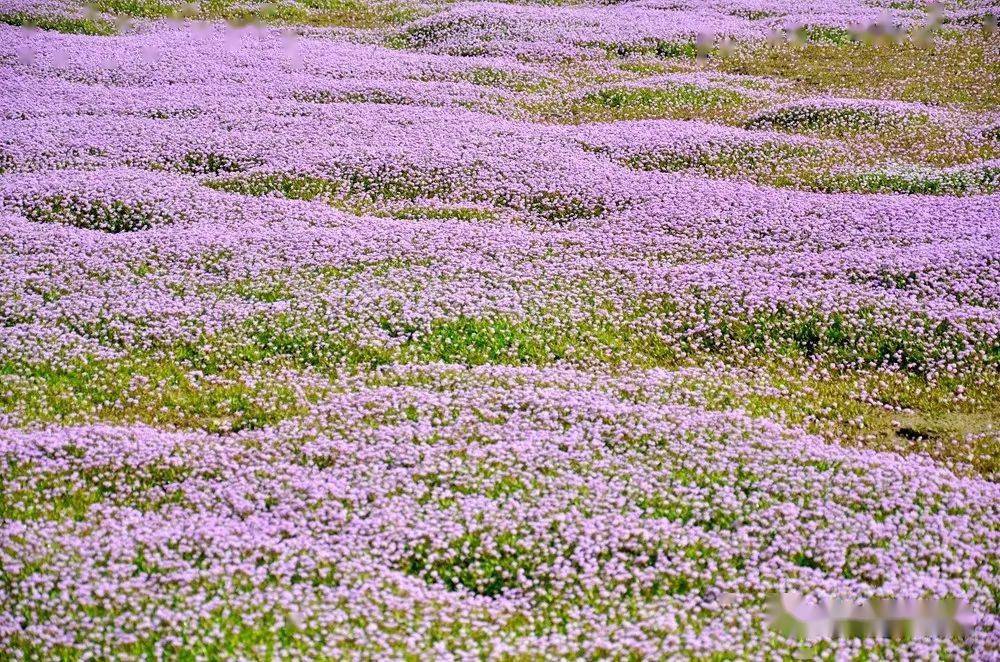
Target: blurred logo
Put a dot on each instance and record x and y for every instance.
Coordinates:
(797, 617)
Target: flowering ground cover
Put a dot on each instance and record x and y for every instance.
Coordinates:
(456, 330)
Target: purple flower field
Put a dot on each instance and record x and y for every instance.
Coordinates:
(436, 329)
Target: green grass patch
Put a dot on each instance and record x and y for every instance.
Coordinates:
(826, 34)
(767, 163)
(425, 213)
(949, 419)
(316, 13)
(471, 564)
(361, 190)
(480, 341)
(448, 29)
(158, 388)
(509, 80)
(753, 14)
(105, 216)
(202, 384)
(644, 67)
(966, 182)
(955, 68)
(346, 183)
(682, 101)
(64, 24)
(200, 162)
(814, 168)
(369, 96)
(69, 496)
(650, 48)
(825, 121)
(286, 284)
(150, 9)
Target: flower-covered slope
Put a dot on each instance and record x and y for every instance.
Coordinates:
(494, 330)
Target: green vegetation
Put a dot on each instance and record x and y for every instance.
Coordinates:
(71, 499)
(417, 438)
(767, 163)
(149, 387)
(963, 182)
(486, 571)
(516, 82)
(203, 384)
(150, 9)
(345, 182)
(458, 213)
(204, 163)
(753, 14)
(835, 121)
(318, 13)
(366, 191)
(368, 96)
(954, 68)
(116, 216)
(682, 101)
(436, 32)
(651, 48)
(813, 169)
(948, 419)
(644, 67)
(65, 24)
(825, 34)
